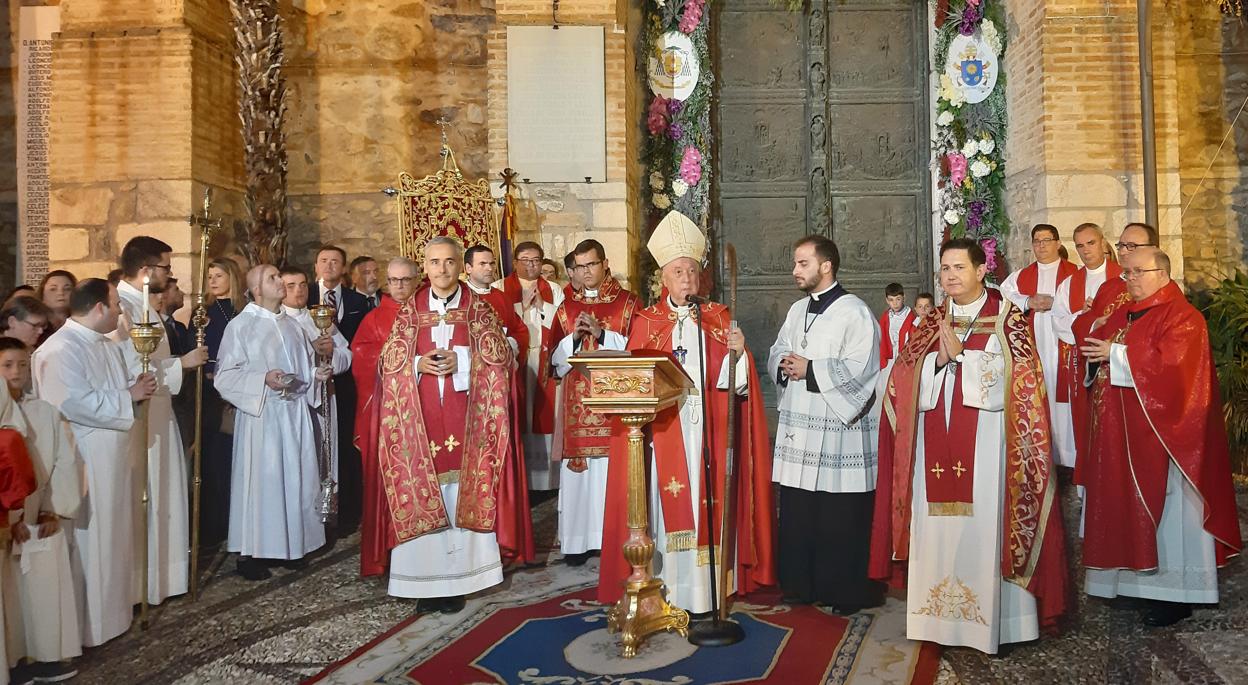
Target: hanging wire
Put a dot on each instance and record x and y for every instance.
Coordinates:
(1229, 130)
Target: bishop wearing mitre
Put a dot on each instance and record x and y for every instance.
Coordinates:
(677, 487)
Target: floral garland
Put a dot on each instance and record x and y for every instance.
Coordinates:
(969, 144)
(677, 151)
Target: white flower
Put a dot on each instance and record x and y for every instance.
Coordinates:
(980, 169)
(656, 180)
(986, 145)
(662, 201)
(945, 118)
(679, 188)
(988, 32)
(952, 217)
(970, 149)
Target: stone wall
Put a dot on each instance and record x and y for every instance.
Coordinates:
(1074, 150)
(367, 82)
(143, 119)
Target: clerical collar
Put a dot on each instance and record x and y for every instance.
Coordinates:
(477, 289)
(675, 307)
(816, 296)
(972, 308)
(820, 301)
(446, 301)
(589, 294)
(294, 311)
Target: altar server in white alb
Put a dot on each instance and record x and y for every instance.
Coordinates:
(82, 372)
(1032, 289)
(40, 611)
(331, 344)
(265, 368)
(825, 363)
(168, 535)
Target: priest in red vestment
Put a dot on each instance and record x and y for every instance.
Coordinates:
(966, 508)
(1033, 289)
(444, 444)
(1072, 307)
(677, 509)
(534, 300)
(598, 316)
(480, 266)
(402, 278)
(1160, 512)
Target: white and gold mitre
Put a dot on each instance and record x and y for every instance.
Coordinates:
(676, 236)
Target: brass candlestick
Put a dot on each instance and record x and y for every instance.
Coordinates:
(146, 338)
(199, 320)
(324, 316)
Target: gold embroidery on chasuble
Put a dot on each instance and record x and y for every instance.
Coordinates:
(952, 599)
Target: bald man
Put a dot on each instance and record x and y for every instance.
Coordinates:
(266, 369)
(1160, 513)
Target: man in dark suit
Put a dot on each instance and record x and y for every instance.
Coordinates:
(331, 264)
(365, 279)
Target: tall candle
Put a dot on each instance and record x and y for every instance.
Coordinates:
(147, 296)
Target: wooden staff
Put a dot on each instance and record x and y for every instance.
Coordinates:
(727, 531)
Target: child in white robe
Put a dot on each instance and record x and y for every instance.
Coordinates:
(40, 611)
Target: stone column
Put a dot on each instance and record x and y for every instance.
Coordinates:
(143, 119)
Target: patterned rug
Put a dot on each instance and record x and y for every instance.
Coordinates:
(545, 628)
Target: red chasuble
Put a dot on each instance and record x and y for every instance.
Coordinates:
(886, 342)
(422, 441)
(513, 326)
(1174, 413)
(755, 509)
(1111, 296)
(1033, 553)
(542, 419)
(17, 474)
(374, 330)
(586, 434)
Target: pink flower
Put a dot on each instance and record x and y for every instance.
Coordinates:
(691, 17)
(656, 116)
(957, 168)
(691, 166)
(973, 3)
(990, 251)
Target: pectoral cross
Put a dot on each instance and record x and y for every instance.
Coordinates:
(680, 353)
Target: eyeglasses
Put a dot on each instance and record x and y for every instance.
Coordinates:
(1131, 246)
(41, 325)
(406, 280)
(530, 262)
(586, 267)
(1128, 274)
(1043, 241)
(166, 267)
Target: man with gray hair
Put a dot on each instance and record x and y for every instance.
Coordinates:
(402, 280)
(1160, 514)
(453, 490)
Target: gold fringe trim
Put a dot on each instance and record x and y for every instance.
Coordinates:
(681, 541)
(949, 509)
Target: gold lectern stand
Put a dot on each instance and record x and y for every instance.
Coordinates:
(637, 387)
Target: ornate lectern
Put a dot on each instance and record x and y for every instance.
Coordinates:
(637, 386)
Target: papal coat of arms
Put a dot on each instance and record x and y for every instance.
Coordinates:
(972, 66)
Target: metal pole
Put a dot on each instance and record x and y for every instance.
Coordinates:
(1147, 121)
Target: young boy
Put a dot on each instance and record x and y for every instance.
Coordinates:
(924, 304)
(895, 324)
(40, 609)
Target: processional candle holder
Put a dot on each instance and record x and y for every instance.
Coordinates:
(324, 316)
(199, 319)
(146, 337)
